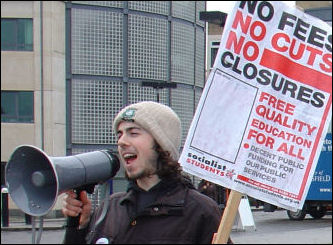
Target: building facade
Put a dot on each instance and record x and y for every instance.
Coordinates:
(67, 68)
(117, 45)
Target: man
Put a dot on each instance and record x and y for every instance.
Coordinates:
(208, 188)
(160, 205)
(216, 192)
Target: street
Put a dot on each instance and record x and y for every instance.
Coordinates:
(270, 228)
(277, 228)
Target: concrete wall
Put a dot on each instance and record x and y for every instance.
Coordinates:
(23, 71)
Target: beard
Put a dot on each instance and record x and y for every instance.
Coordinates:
(149, 169)
(146, 172)
(140, 175)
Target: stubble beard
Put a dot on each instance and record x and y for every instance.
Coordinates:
(145, 173)
(140, 175)
(149, 170)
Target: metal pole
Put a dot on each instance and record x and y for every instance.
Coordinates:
(158, 95)
(4, 207)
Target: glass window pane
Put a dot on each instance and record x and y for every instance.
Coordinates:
(25, 103)
(213, 55)
(24, 34)
(8, 34)
(25, 108)
(29, 35)
(8, 111)
(16, 34)
(17, 106)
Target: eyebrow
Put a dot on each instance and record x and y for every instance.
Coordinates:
(129, 129)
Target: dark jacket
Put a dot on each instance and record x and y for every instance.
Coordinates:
(179, 215)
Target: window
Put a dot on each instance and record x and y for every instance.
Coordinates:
(16, 34)
(17, 106)
(214, 48)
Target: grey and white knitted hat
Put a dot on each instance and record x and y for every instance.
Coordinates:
(159, 120)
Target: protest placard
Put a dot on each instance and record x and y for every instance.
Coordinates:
(266, 106)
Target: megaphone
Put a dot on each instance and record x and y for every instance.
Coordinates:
(34, 180)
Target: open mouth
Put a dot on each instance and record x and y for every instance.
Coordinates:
(129, 157)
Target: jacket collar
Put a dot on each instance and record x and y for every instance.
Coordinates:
(172, 193)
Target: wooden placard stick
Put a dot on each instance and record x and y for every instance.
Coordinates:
(228, 218)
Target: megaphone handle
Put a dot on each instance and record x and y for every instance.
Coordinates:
(75, 221)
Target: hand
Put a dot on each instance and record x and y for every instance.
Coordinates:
(73, 207)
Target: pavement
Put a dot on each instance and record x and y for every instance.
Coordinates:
(17, 223)
(268, 228)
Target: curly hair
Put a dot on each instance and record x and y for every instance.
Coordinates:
(166, 166)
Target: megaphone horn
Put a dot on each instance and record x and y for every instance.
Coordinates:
(34, 179)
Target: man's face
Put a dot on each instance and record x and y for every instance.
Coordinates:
(136, 150)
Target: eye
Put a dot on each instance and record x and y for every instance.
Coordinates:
(134, 133)
(119, 134)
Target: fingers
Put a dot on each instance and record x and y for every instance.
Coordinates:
(71, 206)
(84, 198)
(74, 207)
(86, 208)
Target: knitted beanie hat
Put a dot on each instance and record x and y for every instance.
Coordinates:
(159, 120)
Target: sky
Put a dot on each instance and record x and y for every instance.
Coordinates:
(226, 6)
(223, 6)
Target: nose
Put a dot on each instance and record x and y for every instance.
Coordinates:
(122, 140)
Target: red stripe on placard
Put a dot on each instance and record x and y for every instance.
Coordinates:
(268, 187)
(295, 71)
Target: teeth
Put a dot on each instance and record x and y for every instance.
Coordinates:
(126, 156)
